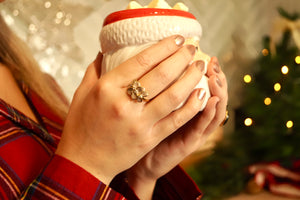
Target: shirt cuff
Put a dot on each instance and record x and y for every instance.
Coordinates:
(176, 185)
(120, 184)
(64, 179)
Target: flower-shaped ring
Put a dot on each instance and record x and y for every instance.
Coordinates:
(137, 92)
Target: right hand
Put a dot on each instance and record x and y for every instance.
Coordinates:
(106, 132)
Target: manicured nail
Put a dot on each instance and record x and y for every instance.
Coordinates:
(192, 49)
(200, 64)
(217, 68)
(219, 82)
(179, 40)
(201, 94)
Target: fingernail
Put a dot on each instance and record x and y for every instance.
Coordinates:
(179, 40)
(200, 64)
(201, 94)
(219, 82)
(217, 68)
(192, 49)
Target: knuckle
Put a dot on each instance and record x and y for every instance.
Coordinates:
(170, 47)
(145, 145)
(164, 77)
(174, 99)
(194, 107)
(77, 93)
(102, 88)
(133, 131)
(138, 133)
(177, 121)
(118, 111)
(144, 60)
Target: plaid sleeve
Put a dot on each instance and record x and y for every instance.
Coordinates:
(62, 179)
(175, 185)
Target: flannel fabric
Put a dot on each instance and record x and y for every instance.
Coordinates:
(29, 168)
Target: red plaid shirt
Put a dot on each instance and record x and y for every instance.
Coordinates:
(29, 168)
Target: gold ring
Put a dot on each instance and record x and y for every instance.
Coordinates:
(137, 92)
(225, 119)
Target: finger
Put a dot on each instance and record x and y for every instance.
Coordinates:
(204, 119)
(214, 68)
(193, 134)
(171, 98)
(181, 116)
(143, 62)
(219, 89)
(168, 71)
(218, 86)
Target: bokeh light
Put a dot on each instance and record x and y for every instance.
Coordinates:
(284, 69)
(247, 78)
(265, 52)
(277, 87)
(267, 101)
(289, 124)
(248, 121)
(297, 59)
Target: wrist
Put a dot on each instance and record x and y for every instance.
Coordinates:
(143, 186)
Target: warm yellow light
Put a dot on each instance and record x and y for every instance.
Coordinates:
(284, 69)
(277, 87)
(265, 52)
(289, 124)
(248, 121)
(247, 78)
(267, 101)
(297, 59)
(47, 4)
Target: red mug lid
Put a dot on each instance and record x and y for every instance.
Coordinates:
(143, 12)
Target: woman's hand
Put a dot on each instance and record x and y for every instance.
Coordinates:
(187, 139)
(106, 132)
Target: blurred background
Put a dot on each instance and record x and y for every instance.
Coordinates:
(257, 43)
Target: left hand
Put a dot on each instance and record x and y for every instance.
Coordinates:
(185, 140)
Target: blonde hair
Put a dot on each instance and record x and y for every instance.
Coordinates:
(15, 55)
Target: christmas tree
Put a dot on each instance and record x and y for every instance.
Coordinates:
(267, 122)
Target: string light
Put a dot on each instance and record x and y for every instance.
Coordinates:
(47, 4)
(32, 28)
(265, 52)
(284, 69)
(297, 59)
(289, 124)
(59, 15)
(248, 121)
(277, 87)
(67, 22)
(267, 101)
(16, 12)
(247, 78)
(57, 20)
